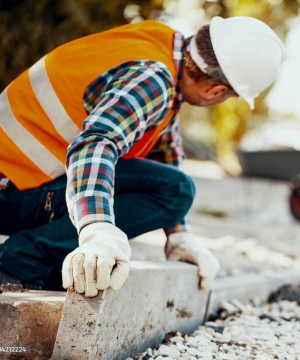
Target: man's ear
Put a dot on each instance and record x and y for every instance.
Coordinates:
(215, 91)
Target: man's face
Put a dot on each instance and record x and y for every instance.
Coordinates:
(204, 93)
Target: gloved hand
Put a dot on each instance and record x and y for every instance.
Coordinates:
(100, 261)
(187, 247)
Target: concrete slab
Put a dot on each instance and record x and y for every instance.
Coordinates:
(30, 319)
(155, 299)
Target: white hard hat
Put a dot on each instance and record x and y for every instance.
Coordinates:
(248, 52)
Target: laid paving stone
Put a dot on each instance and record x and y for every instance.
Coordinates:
(157, 298)
(31, 319)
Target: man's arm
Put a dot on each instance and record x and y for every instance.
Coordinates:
(133, 100)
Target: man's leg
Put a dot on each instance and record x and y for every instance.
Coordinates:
(41, 233)
(150, 195)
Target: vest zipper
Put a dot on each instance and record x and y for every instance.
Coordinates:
(48, 203)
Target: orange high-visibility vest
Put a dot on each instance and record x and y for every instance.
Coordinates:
(42, 110)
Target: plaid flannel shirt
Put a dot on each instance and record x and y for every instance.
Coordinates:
(122, 104)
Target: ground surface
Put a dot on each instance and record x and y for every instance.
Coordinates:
(241, 331)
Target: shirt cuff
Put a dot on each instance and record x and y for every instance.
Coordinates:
(91, 209)
(184, 225)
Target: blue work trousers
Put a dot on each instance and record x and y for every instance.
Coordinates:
(148, 195)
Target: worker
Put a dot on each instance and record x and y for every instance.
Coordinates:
(91, 154)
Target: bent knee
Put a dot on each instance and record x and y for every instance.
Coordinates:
(187, 190)
(183, 191)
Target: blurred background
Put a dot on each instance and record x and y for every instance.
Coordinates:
(230, 133)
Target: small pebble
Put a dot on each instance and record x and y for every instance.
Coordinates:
(169, 351)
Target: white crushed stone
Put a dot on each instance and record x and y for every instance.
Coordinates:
(242, 331)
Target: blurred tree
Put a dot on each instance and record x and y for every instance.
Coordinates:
(29, 28)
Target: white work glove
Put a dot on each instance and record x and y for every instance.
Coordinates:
(187, 247)
(100, 261)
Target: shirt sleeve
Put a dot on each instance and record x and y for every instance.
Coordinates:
(133, 99)
(169, 150)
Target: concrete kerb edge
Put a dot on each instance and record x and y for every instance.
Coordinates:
(116, 325)
(243, 288)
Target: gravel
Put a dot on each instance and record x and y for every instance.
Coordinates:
(269, 330)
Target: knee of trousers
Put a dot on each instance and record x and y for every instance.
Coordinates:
(181, 193)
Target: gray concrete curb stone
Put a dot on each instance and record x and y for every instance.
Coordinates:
(122, 324)
(155, 299)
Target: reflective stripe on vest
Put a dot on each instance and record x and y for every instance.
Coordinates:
(50, 103)
(42, 110)
(27, 143)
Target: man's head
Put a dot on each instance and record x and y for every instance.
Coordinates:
(239, 56)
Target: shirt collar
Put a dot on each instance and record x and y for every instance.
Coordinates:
(178, 41)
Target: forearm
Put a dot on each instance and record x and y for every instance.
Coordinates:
(90, 174)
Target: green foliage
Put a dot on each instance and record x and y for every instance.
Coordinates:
(31, 28)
